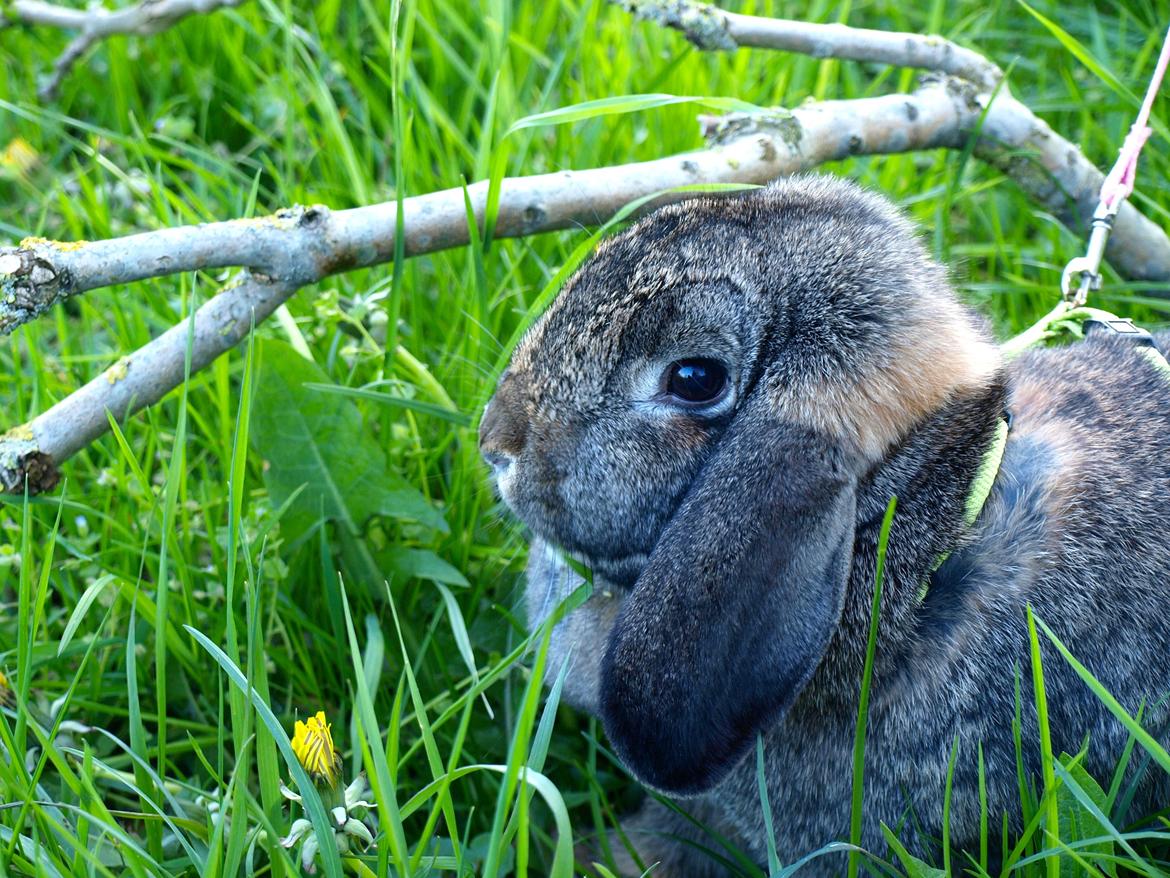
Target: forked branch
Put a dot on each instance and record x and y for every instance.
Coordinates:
(1053, 171)
(96, 23)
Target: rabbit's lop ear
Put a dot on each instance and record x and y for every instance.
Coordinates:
(736, 605)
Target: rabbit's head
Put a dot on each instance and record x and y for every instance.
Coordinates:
(691, 418)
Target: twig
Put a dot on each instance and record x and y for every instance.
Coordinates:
(302, 245)
(97, 23)
(32, 451)
(711, 28)
(299, 246)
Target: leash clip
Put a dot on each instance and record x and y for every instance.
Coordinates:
(1085, 271)
(1082, 275)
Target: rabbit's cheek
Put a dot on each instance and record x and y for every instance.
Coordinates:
(619, 500)
(604, 489)
(505, 480)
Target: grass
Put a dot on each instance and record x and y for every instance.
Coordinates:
(180, 592)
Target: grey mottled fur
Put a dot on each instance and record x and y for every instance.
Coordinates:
(849, 354)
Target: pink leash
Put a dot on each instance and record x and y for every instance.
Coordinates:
(1117, 187)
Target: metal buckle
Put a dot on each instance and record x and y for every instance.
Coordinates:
(1118, 326)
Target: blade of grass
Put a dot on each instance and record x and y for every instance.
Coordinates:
(774, 864)
(856, 813)
(946, 815)
(627, 104)
(1047, 761)
(381, 778)
(1148, 742)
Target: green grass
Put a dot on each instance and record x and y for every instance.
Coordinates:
(181, 595)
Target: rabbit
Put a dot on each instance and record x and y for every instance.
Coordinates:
(713, 416)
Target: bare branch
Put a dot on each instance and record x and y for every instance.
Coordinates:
(302, 245)
(96, 23)
(1058, 177)
(31, 452)
(298, 246)
(711, 28)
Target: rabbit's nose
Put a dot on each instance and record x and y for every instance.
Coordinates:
(503, 430)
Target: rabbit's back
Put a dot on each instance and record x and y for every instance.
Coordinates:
(1076, 520)
(1075, 526)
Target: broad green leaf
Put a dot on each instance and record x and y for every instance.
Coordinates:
(318, 442)
(421, 564)
(405, 502)
(915, 868)
(1082, 805)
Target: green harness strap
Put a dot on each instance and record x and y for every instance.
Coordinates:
(985, 475)
(1065, 318)
(980, 489)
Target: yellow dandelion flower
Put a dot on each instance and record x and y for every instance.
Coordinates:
(17, 158)
(313, 745)
(6, 694)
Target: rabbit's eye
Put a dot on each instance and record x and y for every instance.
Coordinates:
(696, 381)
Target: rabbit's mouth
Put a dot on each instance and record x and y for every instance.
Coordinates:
(616, 551)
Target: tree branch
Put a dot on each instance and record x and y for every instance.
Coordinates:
(96, 23)
(300, 246)
(710, 28)
(32, 451)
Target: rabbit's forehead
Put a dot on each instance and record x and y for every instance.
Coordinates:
(611, 316)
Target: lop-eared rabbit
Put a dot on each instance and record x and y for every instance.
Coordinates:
(713, 416)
